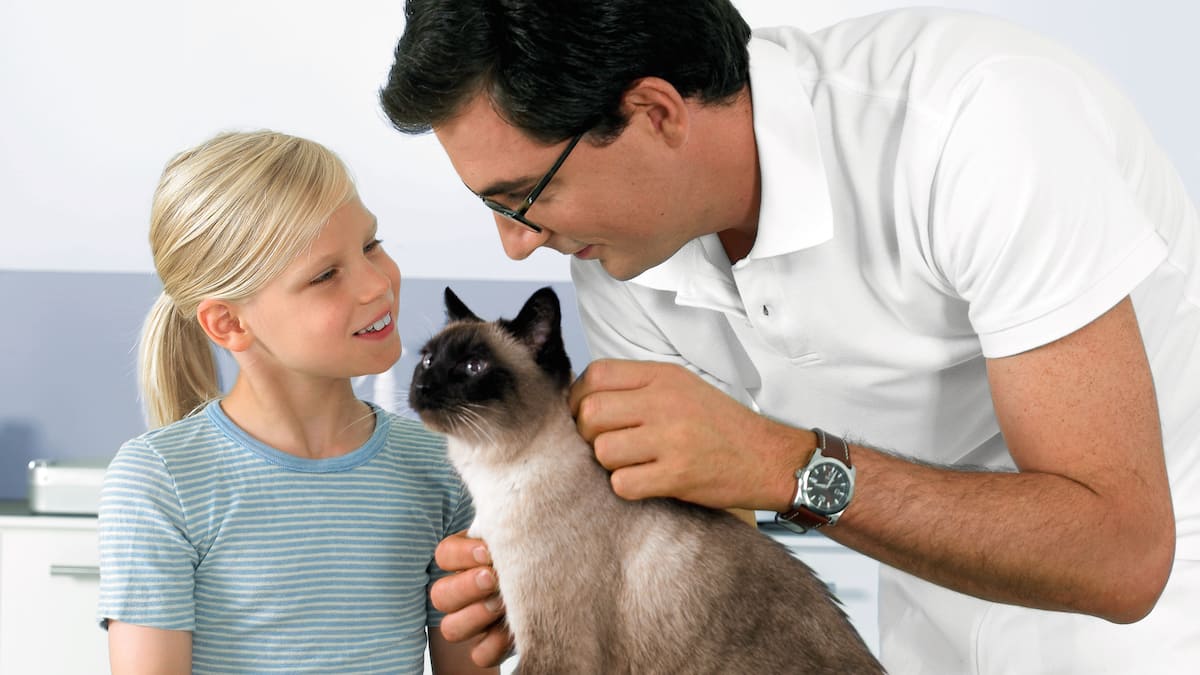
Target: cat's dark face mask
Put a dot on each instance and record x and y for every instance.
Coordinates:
(499, 371)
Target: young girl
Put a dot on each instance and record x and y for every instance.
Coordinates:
(287, 527)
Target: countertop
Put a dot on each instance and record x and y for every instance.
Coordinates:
(16, 513)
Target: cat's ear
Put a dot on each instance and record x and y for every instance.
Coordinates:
(456, 310)
(539, 326)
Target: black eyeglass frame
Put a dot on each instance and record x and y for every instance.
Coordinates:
(518, 214)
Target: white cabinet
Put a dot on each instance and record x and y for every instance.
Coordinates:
(49, 585)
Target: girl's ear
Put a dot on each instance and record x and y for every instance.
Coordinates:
(221, 322)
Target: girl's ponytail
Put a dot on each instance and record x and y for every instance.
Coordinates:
(176, 368)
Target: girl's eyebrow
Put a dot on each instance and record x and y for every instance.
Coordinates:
(312, 264)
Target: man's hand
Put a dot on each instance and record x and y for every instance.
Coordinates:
(470, 598)
(665, 432)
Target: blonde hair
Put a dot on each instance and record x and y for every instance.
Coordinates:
(228, 216)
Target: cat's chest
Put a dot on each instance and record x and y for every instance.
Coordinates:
(497, 491)
(511, 498)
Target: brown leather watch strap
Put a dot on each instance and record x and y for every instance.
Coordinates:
(833, 446)
(828, 445)
(805, 518)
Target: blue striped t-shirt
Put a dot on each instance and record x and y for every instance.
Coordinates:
(276, 563)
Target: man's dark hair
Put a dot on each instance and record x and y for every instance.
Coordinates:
(555, 68)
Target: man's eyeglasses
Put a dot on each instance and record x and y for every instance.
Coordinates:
(518, 214)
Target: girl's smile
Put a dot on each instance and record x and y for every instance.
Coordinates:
(379, 329)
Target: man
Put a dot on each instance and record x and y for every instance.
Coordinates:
(933, 233)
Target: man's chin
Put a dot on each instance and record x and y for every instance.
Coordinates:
(619, 272)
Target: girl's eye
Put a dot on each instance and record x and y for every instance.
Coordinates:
(475, 366)
(372, 245)
(324, 276)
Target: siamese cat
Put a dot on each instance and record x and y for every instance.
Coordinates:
(594, 584)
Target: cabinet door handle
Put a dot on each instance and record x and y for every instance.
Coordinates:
(74, 571)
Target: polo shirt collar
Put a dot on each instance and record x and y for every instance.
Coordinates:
(795, 210)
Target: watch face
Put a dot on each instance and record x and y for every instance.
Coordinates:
(827, 488)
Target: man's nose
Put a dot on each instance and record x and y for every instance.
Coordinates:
(519, 241)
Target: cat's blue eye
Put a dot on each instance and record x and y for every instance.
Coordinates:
(426, 360)
(475, 366)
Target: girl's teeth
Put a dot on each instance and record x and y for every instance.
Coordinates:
(378, 325)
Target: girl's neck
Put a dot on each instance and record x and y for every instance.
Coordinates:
(313, 422)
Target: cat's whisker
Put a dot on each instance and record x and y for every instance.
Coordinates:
(476, 422)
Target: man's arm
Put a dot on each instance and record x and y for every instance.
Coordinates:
(1091, 501)
(1090, 505)
(141, 650)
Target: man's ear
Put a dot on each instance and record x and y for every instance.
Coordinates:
(664, 109)
(220, 320)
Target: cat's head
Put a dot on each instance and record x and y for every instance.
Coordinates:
(491, 380)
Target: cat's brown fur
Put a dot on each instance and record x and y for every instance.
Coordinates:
(593, 583)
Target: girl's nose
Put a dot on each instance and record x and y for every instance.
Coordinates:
(519, 241)
(376, 282)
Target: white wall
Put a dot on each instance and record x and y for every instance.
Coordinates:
(95, 97)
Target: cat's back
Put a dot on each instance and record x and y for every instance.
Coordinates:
(692, 571)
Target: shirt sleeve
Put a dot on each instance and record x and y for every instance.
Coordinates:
(1035, 220)
(147, 564)
(461, 513)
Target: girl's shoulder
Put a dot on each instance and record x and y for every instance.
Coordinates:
(419, 450)
(410, 433)
(192, 435)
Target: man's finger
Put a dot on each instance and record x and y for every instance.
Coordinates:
(622, 448)
(639, 481)
(609, 411)
(610, 375)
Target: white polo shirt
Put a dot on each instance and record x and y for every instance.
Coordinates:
(937, 188)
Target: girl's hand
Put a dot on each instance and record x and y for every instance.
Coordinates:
(470, 599)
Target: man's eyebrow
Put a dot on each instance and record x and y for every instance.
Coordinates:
(507, 186)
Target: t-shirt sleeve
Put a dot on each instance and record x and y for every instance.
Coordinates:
(460, 512)
(147, 564)
(1034, 218)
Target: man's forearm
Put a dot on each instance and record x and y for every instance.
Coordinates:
(1033, 539)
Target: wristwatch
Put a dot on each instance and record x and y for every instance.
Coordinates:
(824, 486)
